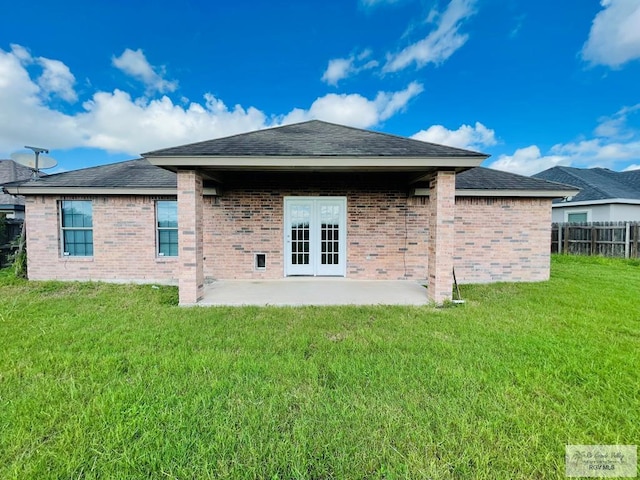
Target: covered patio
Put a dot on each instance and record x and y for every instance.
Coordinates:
(306, 291)
(259, 199)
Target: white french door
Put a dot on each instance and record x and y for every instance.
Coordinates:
(315, 236)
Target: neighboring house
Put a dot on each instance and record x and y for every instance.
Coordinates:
(12, 206)
(307, 199)
(605, 195)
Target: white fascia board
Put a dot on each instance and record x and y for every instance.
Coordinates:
(316, 163)
(33, 190)
(424, 192)
(586, 203)
(45, 190)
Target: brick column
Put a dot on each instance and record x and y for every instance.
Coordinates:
(190, 211)
(442, 191)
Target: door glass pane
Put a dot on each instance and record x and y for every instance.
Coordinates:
(329, 225)
(300, 221)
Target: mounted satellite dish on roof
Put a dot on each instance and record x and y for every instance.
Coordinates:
(35, 162)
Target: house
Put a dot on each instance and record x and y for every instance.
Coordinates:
(309, 199)
(605, 195)
(10, 171)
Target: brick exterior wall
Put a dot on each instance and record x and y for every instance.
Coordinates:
(190, 236)
(442, 203)
(123, 240)
(387, 235)
(502, 239)
(496, 239)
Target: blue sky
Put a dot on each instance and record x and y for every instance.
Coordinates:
(534, 84)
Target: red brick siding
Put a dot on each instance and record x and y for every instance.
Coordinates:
(502, 239)
(386, 235)
(190, 237)
(442, 190)
(496, 239)
(123, 240)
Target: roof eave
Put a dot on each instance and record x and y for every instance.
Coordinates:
(468, 192)
(136, 191)
(605, 201)
(51, 190)
(322, 163)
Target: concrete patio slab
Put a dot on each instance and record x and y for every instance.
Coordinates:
(298, 291)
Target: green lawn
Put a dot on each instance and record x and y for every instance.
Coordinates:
(112, 381)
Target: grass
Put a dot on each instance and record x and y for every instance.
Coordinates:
(113, 381)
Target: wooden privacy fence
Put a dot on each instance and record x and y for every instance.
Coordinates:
(609, 239)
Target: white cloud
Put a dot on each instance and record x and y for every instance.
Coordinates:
(614, 38)
(21, 53)
(635, 166)
(585, 154)
(598, 151)
(473, 138)
(117, 122)
(337, 69)
(441, 43)
(24, 116)
(354, 109)
(135, 64)
(527, 161)
(341, 68)
(615, 126)
(56, 78)
(615, 143)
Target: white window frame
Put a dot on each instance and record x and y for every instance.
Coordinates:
(160, 254)
(64, 229)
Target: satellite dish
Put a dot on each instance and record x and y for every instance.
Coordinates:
(29, 160)
(35, 161)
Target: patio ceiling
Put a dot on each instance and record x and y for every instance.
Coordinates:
(218, 169)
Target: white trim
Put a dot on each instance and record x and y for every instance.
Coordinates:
(62, 229)
(158, 229)
(314, 268)
(424, 192)
(43, 190)
(214, 192)
(255, 261)
(333, 163)
(584, 203)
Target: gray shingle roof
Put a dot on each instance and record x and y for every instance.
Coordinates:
(6, 199)
(595, 183)
(481, 178)
(631, 178)
(11, 171)
(314, 139)
(141, 174)
(130, 174)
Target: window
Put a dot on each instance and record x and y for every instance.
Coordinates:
(577, 217)
(167, 225)
(77, 228)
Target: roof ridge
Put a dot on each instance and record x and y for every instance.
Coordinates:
(315, 138)
(589, 184)
(617, 178)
